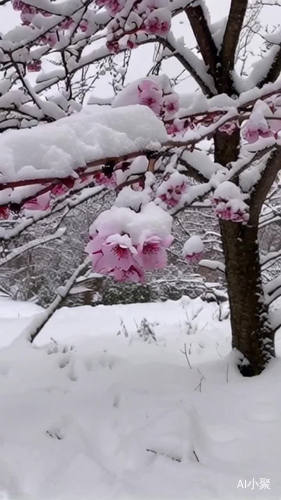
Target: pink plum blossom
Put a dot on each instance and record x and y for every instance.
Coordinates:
(113, 6)
(124, 244)
(113, 46)
(45, 13)
(153, 252)
(229, 128)
(134, 274)
(116, 256)
(17, 4)
(233, 210)
(50, 38)
(170, 105)
(193, 249)
(171, 190)
(34, 65)
(252, 134)
(83, 25)
(229, 204)
(132, 42)
(158, 22)
(194, 258)
(257, 125)
(41, 202)
(103, 180)
(175, 127)
(150, 94)
(27, 14)
(4, 212)
(66, 23)
(59, 189)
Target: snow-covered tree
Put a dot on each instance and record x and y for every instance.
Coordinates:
(162, 152)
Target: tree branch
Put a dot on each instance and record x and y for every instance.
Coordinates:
(274, 70)
(264, 184)
(41, 319)
(203, 37)
(230, 42)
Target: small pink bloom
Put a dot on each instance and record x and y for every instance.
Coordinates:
(4, 212)
(103, 180)
(34, 65)
(17, 4)
(158, 22)
(251, 135)
(228, 128)
(134, 274)
(50, 38)
(193, 249)
(153, 253)
(45, 13)
(59, 189)
(41, 202)
(113, 46)
(84, 25)
(171, 191)
(194, 258)
(150, 94)
(66, 23)
(170, 105)
(131, 42)
(113, 6)
(233, 210)
(27, 14)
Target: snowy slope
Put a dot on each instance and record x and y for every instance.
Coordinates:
(93, 415)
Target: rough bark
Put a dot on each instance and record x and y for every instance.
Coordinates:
(252, 334)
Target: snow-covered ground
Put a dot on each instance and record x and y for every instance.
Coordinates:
(102, 409)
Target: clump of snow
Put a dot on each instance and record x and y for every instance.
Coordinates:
(193, 249)
(124, 244)
(92, 134)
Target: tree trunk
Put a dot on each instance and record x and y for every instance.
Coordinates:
(252, 334)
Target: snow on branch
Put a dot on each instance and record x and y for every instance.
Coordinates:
(41, 319)
(77, 140)
(214, 265)
(16, 252)
(65, 204)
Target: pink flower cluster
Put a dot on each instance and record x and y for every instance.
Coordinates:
(262, 123)
(144, 16)
(43, 201)
(189, 123)
(252, 132)
(158, 22)
(193, 249)
(229, 128)
(152, 92)
(27, 15)
(4, 213)
(171, 190)
(229, 204)
(124, 244)
(34, 65)
(113, 6)
(104, 180)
